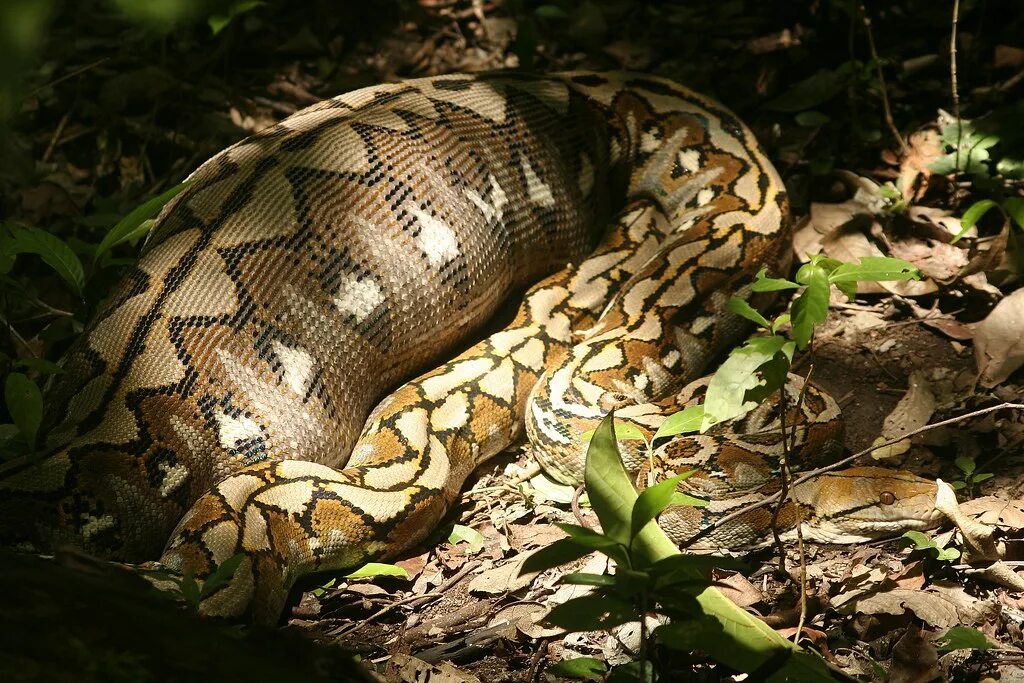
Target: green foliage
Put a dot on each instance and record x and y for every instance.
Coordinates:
(468, 535)
(927, 545)
(972, 477)
(137, 223)
(583, 668)
(652, 576)
(25, 404)
(373, 569)
(963, 638)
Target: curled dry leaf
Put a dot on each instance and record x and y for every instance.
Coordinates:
(992, 510)
(912, 412)
(998, 343)
(924, 147)
(941, 605)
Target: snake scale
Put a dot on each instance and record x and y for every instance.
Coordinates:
(233, 394)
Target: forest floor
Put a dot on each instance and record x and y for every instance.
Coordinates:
(900, 356)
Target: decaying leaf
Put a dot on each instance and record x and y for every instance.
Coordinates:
(998, 343)
(407, 669)
(913, 411)
(993, 510)
(941, 604)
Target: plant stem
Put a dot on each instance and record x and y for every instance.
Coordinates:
(881, 80)
(952, 78)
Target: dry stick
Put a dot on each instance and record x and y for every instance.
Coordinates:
(844, 462)
(952, 78)
(881, 80)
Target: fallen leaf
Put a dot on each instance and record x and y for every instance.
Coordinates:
(404, 668)
(912, 411)
(998, 343)
(914, 659)
(992, 510)
(737, 588)
(940, 604)
(503, 579)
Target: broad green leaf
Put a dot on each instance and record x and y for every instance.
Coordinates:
(810, 92)
(591, 613)
(40, 365)
(594, 540)
(651, 501)
(763, 283)
(637, 671)
(811, 119)
(190, 590)
(963, 638)
(624, 431)
(726, 394)
(611, 491)
(748, 642)
(875, 269)
(587, 579)
(811, 307)
(217, 22)
(685, 421)
(688, 500)
(132, 225)
(744, 310)
(779, 321)
(371, 569)
(562, 551)
(965, 464)
(978, 478)
(221, 575)
(467, 535)
(773, 374)
(53, 251)
(25, 404)
(586, 668)
(1014, 208)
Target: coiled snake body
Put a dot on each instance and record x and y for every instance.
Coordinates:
(224, 397)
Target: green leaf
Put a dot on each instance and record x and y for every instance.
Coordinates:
(1014, 208)
(53, 251)
(611, 491)
(131, 226)
(25, 404)
(591, 613)
(587, 668)
(40, 365)
(587, 579)
(638, 671)
(679, 498)
(965, 464)
(467, 535)
(685, 421)
(624, 431)
(811, 307)
(371, 569)
(810, 92)
(594, 540)
(726, 394)
(190, 589)
(221, 575)
(652, 500)
(744, 310)
(963, 638)
(562, 551)
(972, 215)
(875, 269)
(978, 478)
(811, 119)
(763, 283)
(217, 22)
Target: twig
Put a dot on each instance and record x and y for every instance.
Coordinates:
(952, 78)
(881, 80)
(76, 72)
(55, 138)
(843, 463)
(576, 505)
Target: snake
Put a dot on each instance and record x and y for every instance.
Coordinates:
(340, 317)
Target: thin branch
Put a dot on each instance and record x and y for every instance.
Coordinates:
(881, 80)
(952, 78)
(768, 500)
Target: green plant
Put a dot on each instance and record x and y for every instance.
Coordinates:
(929, 547)
(972, 477)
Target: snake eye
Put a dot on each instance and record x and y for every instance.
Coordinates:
(887, 498)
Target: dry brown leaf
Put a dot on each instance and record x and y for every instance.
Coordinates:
(998, 342)
(936, 260)
(914, 659)
(925, 147)
(992, 510)
(534, 535)
(503, 579)
(526, 617)
(737, 588)
(407, 669)
(941, 605)
(912, 412)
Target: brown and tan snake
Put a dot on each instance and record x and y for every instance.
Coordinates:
(237, 393)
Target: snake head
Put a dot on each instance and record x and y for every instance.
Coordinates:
(867, 503)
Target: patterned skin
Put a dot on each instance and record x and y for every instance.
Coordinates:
(308, 270)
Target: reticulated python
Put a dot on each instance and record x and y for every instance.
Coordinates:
(309, 269)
